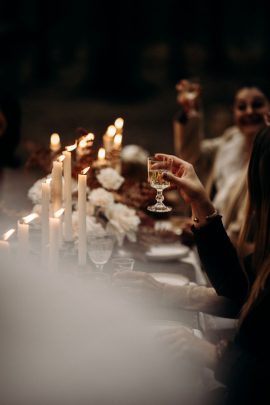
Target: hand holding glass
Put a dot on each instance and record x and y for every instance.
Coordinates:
(156, 169)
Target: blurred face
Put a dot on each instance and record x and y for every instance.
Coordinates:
(250, 108)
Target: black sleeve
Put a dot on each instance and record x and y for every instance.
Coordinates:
(220, 261)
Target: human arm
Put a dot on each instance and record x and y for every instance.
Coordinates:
(218, 255)
(190, 297)
(220, 261)
(188, 137)
(182, 342)
(187, 122)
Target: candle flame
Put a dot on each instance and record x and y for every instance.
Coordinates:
(84, 171)
(55, 139)
(117, 140)
(90, 137)
(111, 130)
(58, 213)
(8, 234)
(61, 158)
(70, 148)
(101, 154)
(119, 123)
(83, 143)
(29, 218)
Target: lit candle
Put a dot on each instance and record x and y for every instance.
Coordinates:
(84, 145)
(68, 236)
(108, 138)
(55, 144)
(82, 148)
(4, 244)
(101, 161)
(90, 137)
(23, 240)
(117, 142)
(82, 178)
(119, 124)
(56, 186)
(23, 236)
(59, 214)
(54, 226)
(116, 155)
(45, 207)
(4, 248)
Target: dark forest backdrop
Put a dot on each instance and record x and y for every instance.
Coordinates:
(127, 48)
(84, 62)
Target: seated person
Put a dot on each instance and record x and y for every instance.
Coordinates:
(221, 163)
(242, 365)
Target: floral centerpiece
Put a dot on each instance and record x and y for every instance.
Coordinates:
(104, 213)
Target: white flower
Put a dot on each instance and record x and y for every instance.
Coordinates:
(34, 193)
(90, 209)
(92, 226)
(123, 221)
(134, 154)
(101, 198)
(110, 179)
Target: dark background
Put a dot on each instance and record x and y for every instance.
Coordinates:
(83, 63)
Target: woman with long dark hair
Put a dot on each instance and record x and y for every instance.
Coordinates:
(242, 365)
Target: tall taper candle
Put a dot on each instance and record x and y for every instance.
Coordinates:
(54, 224)
(23, 241)
(56, 186)
(67, 197)
(45, 206)
(4, 245)
(82, 217)
(23, 236)
(108, 138)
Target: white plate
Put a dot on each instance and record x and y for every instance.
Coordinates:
(169, 278)
(167, 252)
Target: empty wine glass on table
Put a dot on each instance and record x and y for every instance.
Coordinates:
(122, 264)
(156, 169)
(100, 249)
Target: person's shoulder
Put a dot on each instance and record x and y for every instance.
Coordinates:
(230, 137)
(230, 133)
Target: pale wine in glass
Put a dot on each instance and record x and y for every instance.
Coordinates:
(156, 168)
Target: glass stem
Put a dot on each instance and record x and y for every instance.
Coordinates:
(159, 196)
(99, 267)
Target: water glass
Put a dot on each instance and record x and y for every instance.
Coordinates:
(122, 264)
(100, 249)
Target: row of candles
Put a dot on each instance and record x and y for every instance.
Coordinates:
(58, 226)
(112, 140)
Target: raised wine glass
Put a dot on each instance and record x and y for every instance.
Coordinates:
(156, 168)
